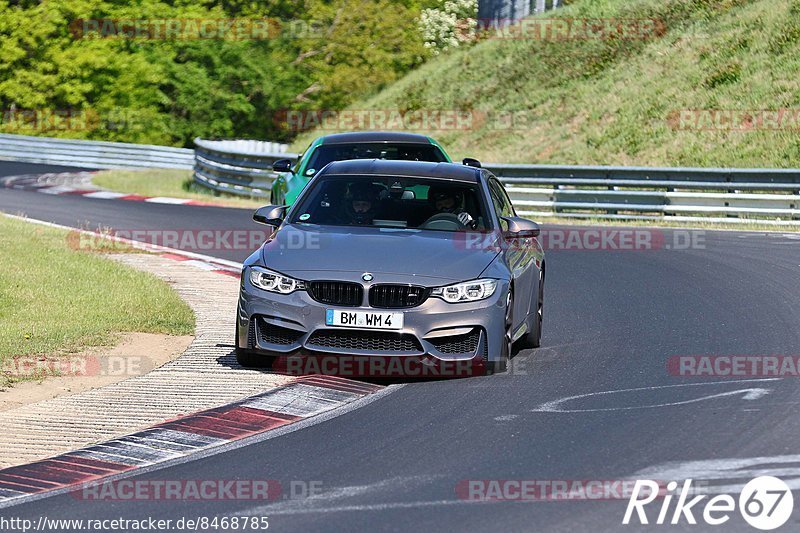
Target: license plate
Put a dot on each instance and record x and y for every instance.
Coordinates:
(363, 319)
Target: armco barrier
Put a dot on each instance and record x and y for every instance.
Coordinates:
(238, 167)
(770, 196)
(92, 154)
(736, 195)
(732, 195)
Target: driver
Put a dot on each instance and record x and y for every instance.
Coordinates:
(449, 200)
(360, 207)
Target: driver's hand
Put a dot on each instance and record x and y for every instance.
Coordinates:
(465, 219)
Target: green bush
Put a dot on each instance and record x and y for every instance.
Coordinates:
(167, 91)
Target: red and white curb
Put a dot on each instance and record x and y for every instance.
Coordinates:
(289, 404)
(44, 183)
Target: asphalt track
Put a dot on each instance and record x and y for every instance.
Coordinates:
(612, 320)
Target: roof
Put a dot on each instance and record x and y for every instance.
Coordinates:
(385, 167)
(375, 136)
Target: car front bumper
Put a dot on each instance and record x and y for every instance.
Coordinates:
(433, 332)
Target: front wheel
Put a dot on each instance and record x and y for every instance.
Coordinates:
(500, 365)
(248, 358)
(533, 338)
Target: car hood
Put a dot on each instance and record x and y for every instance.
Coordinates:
(410, 256)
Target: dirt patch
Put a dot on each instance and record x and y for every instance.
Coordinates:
(135, 355)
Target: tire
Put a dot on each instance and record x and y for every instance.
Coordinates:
(533, 338)
(501, 365)
(249, 358)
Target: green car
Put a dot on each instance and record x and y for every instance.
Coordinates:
(340, 146)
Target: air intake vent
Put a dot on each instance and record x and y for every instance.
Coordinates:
(457, 344)
(365, 341)
(272, 334)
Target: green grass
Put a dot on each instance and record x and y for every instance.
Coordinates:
(56, 300)
(615, 101)
(174, 183)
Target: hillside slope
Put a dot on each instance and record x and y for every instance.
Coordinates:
(624, 101)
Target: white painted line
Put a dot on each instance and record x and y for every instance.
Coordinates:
(200, 264)
(58, 189)
(747, 394)
(166, 200)
(8, 493)
(107, 195)
(735, 471)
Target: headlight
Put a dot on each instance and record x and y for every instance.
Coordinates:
(274, 282)
(469, 291)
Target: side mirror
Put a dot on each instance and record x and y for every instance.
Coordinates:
(521, 228)
(470, 162)
(282, 165)
(272, 215)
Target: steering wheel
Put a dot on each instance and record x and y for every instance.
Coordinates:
(443, 222)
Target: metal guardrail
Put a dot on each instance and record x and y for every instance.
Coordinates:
(733, 195)
(770, 196)
(92, 154)
(239, 167)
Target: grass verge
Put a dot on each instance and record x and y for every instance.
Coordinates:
(174, 183)
(658, 100)
(55, 300)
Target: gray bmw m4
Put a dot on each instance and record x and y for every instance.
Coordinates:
(393, 268)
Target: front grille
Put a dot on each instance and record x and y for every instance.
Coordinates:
(396, 296)
(272, 334)
(466, 343)
(337, 292)
(373, 341)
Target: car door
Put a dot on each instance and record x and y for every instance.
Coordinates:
(519, 253)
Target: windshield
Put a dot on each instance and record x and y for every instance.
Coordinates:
(327, 153)
(396, 202)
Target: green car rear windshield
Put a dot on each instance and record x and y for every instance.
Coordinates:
(327, 153)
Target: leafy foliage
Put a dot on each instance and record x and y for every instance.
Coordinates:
(319, 54)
